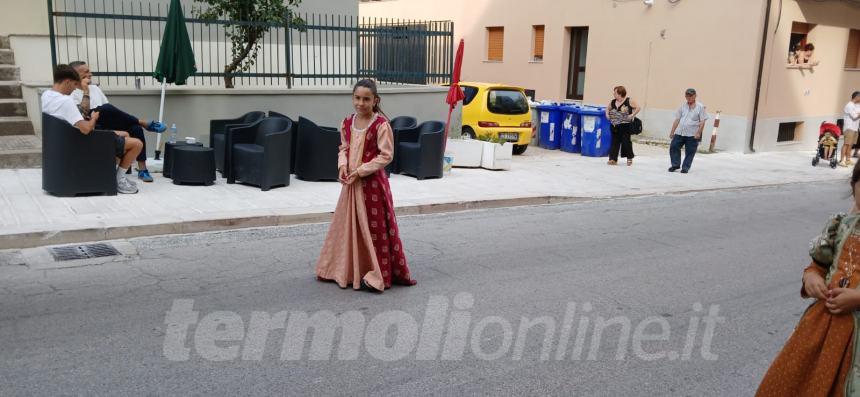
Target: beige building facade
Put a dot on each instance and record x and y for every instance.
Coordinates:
(578, 50)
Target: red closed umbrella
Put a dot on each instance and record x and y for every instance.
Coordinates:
(455, 94)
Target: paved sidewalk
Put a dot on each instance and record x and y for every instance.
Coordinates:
(29, 217)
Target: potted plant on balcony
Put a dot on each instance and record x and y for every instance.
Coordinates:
(497, 154)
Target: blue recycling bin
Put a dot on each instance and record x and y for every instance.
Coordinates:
(571, 141)
(596, 131)
(550, 126)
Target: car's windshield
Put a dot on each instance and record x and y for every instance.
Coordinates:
(507, 102)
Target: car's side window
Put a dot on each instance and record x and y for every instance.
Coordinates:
(470, 93)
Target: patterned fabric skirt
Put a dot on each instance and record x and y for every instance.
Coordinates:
(383, 230)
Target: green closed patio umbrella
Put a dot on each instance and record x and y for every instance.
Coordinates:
(175, 59)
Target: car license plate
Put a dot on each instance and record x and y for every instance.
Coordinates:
(509, 136)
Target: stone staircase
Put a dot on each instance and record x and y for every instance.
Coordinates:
(19, 145)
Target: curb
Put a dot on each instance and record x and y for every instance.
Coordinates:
(43, 238)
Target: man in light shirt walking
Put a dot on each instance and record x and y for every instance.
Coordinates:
(851, 124)
(686, 131)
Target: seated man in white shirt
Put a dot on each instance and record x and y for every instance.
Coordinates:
(90, 97)
(57, 102)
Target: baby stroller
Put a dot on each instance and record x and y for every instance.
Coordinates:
(828, 144)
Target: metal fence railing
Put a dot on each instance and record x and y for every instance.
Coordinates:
(120, 40)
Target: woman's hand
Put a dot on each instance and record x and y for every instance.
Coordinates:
(842, 300)
(814, 285)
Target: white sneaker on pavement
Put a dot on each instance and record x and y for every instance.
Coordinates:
(125, 186)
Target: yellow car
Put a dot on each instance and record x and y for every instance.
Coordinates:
(498, 111)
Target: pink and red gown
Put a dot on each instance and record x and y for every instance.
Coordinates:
(363, 241)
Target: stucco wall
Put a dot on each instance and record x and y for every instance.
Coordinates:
(808, 96)
(31, 16)
(656, 52)
(191, 109)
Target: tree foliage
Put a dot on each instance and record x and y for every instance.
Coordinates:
(248, 22)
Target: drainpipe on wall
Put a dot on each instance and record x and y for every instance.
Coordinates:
(760, 73)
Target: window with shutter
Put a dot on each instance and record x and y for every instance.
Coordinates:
(495, 43)
(537, 52)
(852, 56)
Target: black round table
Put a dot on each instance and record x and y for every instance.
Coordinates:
(193, 165)
(168, 155)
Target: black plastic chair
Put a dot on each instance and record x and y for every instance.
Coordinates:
(218, 129)
(397, 124)
(421, 150)
(401, 122)
(74, 163)
(260, 153)
(294, 136)
(317, 152)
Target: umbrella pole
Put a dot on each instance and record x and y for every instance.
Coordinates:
(447, 128)
(160, 120)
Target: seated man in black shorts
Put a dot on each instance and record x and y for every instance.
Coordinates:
(57, 102)
(89, 96)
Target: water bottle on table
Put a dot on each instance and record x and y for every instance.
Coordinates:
(172, 138)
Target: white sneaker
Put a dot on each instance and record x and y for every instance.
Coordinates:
(125, 186)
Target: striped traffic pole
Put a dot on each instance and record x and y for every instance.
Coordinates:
(714, 134)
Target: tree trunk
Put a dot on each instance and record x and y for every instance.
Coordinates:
(250, 41)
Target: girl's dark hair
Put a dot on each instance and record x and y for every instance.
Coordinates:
(855, 94)
(621, 90)
(810, 47)
(371, 85)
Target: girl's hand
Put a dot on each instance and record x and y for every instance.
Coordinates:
(842, 300)
(341, 174)
(814, 285)
(351, 178)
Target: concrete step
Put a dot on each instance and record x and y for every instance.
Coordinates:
(9, 73)
(4, 43)
(12, 107)
(20, 151)
(10, 90)
(16, 126)
(7, 57)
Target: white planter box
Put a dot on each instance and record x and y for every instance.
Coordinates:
(496, 156)
(466, 152)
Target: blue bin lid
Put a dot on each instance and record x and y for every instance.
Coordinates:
(570, 108)
(548, 107)
(590, 111)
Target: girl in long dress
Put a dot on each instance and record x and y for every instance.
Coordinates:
(363, 246)
(820, 357)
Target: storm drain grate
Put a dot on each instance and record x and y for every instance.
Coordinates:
(88, 251)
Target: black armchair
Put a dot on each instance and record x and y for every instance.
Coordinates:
(74, 163)
(401, 122)
(317, 152)
(397, 124)
(217, 137)
(260, 153)
(421, 150)
(294, 136)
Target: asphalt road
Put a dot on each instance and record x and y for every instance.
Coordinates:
(654, 265)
